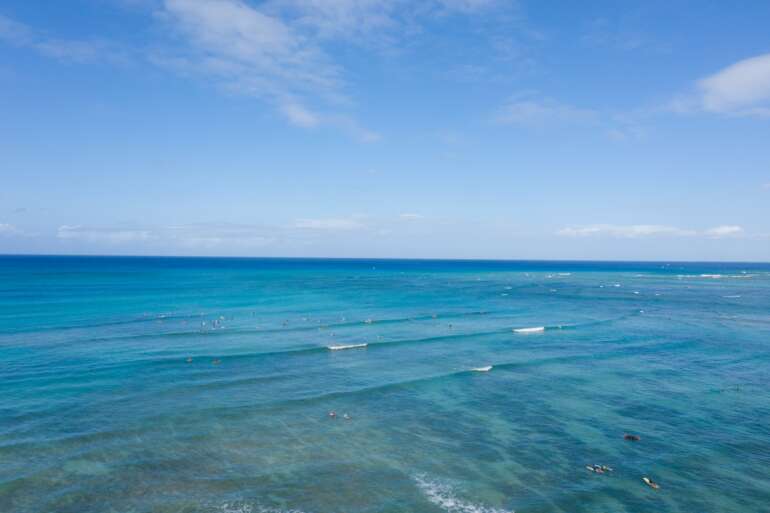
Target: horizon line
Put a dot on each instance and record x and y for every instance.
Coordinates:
(415, 259)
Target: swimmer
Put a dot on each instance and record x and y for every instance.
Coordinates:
(649, 482)
(631, 438)
(332, 414)
(346, 417)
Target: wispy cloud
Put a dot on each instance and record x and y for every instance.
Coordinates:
(647, 230)
(7, 230)
(410, 216)
(724, 231)
(217, 235)
(331, 224)
(624, 231)
(531, 110)
(103, 235)
(278, 50)
(741, 89)
(622, 34)
(20, 35)
(190, 236)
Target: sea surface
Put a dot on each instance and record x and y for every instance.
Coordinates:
(206, 385)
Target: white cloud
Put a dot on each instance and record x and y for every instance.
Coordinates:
(103, 235)
(741, 89)
(537, 112)
(647, 230)
(724, 231)
(200, 235)
(299, 115)
(277, 49)
(260, 51)
(625, 231)
(7, 230)
(21, 35)
(410, 216)
(215, 235)
(331, 224)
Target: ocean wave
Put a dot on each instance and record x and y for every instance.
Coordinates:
(348, 346)
(236, 330)
(482, 369)
(715, 276)
(442, 495)
(245, 507)
(536, 329)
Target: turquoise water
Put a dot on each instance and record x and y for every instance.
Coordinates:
(204, 385)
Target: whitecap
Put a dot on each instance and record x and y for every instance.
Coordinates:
(245, 507)
(442, 495)
(536, 329)
(348, 346)
(482, 369)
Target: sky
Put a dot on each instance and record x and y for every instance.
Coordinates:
(391, 128)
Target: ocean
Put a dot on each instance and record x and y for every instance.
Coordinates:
(377, 386)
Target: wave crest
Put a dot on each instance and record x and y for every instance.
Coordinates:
(442, 495)
(347, 346)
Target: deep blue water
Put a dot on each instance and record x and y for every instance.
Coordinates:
(204, 385)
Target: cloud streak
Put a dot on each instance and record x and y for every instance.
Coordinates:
(23, 36)
(647, 230)
(724, 231)
(533, 111)
(278, 50)
(9, 230)
(330, 224)
(624, 231)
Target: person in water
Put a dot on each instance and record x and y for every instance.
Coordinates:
(631, 438)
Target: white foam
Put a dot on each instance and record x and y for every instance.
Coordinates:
(733, 296)
(536, 329)
(482, 369)
(442, 495)
(244, 507)
(348, 346)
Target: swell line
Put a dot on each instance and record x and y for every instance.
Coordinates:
(297, 351)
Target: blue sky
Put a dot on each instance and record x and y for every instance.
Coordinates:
(392, 128)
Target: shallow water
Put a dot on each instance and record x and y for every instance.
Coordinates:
(204, 385)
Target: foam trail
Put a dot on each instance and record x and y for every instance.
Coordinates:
(243, 507)
(482, 369)
(349, 346)
(444, 497)
(536, 329)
